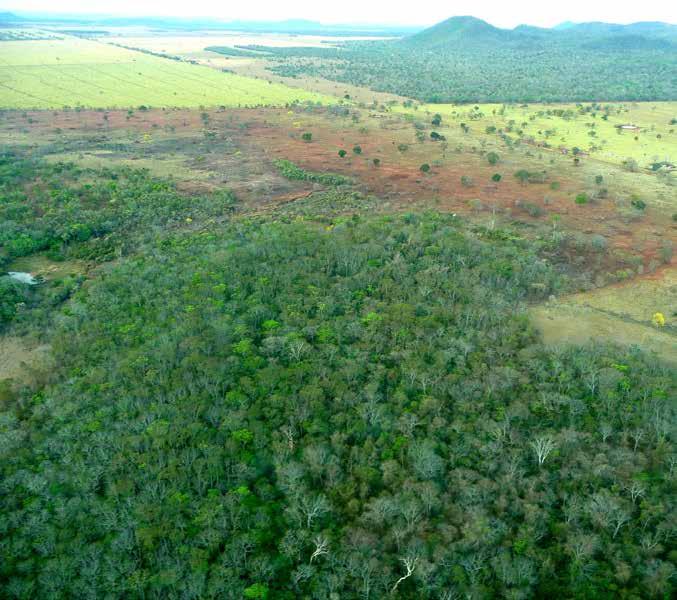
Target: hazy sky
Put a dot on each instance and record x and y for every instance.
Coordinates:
(502, 13)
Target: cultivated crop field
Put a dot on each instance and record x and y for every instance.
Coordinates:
(75, 72)
(194, 45)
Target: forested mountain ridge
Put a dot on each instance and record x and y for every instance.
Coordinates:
(476, 31)
(459, 30)
(465, 59)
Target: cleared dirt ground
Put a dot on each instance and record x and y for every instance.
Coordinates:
(20, 358)
(236, 149)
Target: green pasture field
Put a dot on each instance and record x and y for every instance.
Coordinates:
(586, 130)
(621, 313)
(75, 72)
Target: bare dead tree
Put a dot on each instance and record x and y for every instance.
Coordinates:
(312, 508)
(605, 430)
(409, 563)
(637, 435)
(321, 547)
(636, 490)
(542, 447)
(288, 432)
(297, 350)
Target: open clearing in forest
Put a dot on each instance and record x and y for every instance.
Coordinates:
(76, 72)
(621, 313)
(20, 358)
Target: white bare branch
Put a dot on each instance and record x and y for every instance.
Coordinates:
(542, 446)
(409, 563)
(321, 545)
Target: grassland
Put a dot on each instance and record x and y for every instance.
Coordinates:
(622, 313)
(193, 48)
(593, 129)
(193, 45)
(76, 72)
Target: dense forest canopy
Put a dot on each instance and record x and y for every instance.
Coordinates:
(348, 407)
(467, 60)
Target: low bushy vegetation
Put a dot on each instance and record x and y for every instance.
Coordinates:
(284, 410)
(69, 218)
(292, 171)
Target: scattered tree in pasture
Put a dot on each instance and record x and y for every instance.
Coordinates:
(492, 158)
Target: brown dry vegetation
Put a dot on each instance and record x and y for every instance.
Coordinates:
(21, 360)
(236, 148)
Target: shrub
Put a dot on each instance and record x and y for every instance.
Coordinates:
(11, 294)
(533, 210)
(630, 164)
(598, 243)
(581, 198)
(496, 177)
(492, 158)
(258, 591)
(357, 149)
(307, 137)
(522, 176)
(342, 153)
(291, 171)
(666, 251)
(425, 168)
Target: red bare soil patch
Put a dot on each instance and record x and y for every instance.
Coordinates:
(264, 135)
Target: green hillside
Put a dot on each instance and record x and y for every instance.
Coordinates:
(458, 30)
(465, 59)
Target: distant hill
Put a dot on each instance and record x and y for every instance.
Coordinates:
(470, 31)
(458, 30)
(8, 18)
(653, 28)
(465, 59)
